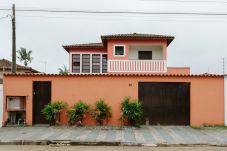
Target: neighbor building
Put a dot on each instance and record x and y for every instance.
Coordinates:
(122, 65)
(5, 67)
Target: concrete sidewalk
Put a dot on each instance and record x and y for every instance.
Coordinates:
(145, 136)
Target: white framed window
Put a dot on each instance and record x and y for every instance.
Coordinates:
(15, 103)
(119, 50)
(88, 62)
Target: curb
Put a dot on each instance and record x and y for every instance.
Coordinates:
(102, 143)
(25, 142)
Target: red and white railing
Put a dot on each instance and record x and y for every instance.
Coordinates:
(137, 66)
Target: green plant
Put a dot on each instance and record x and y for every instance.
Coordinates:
(24, 56)
(48, 113)
(63, 71)
(77, 113)
(132, 112)
(214, 126)
(51, 111)
(102, 112)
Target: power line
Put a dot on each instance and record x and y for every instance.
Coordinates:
(187, 1)
(3, 17)
(184, 1)
(127, 18)
(120, 12)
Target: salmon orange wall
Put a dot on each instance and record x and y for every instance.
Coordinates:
(178, 70)
(206, 96)
(112, 42)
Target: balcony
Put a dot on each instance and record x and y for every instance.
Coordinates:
(155, 66)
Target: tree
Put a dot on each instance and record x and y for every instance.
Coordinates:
(24, 56)
(63, 70)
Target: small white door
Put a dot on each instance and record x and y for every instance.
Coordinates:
(1, 103)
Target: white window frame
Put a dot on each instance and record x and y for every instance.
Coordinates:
(81, 53)
(116, 45)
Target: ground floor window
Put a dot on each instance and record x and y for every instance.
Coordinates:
(89, 63)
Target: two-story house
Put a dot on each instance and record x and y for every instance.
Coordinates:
(122, 65)
(123, 53)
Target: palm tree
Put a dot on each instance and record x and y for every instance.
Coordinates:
(24, 56)
(63, 70)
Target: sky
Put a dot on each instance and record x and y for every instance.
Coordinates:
(200, 41)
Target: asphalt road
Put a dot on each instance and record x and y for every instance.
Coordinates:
(105, 148)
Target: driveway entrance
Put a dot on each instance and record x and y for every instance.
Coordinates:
(165, 103)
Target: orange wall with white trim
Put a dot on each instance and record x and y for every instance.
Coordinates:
(206, 93)
(126, 43)
(178, 70)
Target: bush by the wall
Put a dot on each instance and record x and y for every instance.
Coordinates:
(102, 112)
(52, 111)
(77, 113)
(132, 112)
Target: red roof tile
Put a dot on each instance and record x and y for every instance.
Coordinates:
(117, 74)
(7, 65)
(119, 36)
(87, 45)
(138, 36)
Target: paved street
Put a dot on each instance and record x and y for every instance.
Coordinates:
(148, 136)
(105, 148)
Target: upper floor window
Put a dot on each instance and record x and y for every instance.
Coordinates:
(76, 63)
(89, 63)
(145, 55)
(119, 50)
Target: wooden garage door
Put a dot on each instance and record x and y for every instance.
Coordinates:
(165, 103)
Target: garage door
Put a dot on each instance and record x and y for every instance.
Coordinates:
(165, 103)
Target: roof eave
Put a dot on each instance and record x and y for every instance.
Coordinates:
(169, 40)
(82, 47)
(116, 74)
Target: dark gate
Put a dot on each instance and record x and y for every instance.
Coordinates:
(41, 97)
(165, 103)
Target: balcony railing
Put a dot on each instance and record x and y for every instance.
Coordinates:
(137, 66)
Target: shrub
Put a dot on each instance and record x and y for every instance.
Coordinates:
(51, 111)
(102, 112)
(77, 112)
(48, 113)
(132, 112)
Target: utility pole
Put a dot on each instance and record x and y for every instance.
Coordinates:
(14, 69)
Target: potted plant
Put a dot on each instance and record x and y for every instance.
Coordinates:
(132, 112)
(77, 113)
(52, 111)
(102, 112)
